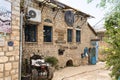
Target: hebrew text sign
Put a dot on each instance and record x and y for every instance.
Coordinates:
(5, 16)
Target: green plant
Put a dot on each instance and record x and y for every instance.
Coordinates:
(112, 25)
(52, 60)
(103, 52)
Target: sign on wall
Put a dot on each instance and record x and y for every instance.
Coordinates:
(69, 18)
(5, 16)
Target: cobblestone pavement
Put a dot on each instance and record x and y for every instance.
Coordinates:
(86, 72)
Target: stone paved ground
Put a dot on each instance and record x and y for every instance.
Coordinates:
(86, 72)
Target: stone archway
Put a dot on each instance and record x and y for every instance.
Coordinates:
(69, 63)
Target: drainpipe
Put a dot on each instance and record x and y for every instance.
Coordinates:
(20, 54)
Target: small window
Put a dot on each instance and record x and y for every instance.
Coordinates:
(47, 34)
(78, 35)
(69, 35)
(30, 33)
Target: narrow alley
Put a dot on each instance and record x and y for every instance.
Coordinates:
(86, 72)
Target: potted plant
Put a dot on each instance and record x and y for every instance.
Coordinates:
(51, 60)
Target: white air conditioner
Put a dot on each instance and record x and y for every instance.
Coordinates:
(34, 14)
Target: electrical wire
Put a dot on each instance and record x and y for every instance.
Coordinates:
(104, 17)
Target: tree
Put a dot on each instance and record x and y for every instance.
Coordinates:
(112, 25)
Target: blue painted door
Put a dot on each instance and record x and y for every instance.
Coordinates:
(96, 47)
(93, 56)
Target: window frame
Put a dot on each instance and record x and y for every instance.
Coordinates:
(70, 35)
(78, 36)
(27, 32)
(51, 36)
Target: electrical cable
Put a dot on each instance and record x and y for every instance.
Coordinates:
(104, 17)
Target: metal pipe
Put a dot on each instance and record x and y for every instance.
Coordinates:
(20, 54)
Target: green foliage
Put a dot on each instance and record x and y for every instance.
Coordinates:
(103, 53)
(112, 24)
(52, 60)
(106, 3)
(89, 1)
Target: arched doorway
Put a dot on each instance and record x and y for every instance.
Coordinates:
(69, 63)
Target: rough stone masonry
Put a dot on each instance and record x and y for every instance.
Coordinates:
(9, 55)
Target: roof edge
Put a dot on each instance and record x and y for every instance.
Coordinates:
(92, 29)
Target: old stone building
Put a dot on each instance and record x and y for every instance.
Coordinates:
(60, 27)
(50, 28)
(9, 39)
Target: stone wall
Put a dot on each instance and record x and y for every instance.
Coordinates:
(9, 55)
(73, 50)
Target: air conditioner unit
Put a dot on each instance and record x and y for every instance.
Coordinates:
(34, 14)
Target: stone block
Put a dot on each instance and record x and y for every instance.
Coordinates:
(17, 38)
(16, 48)
(1, 67)
(5, 49)
(13, 38)
(15, 33)
(7, 73)
(8, 78)
(16, 57)
(10, 48)
(13, 23)
(1, 49)
(2, 53)
(12, 72)
(15, 3)
(17, 70)
(15, 27)
(15, 77)
(3, 59)
(1, 78)
(15, 65)
(18, 22)
(11, 58)
(16, 43)
(12, 53)
(15, 13)
(1, 75)
(7, 37)
(17, 8)
(8, 66)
